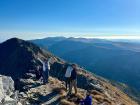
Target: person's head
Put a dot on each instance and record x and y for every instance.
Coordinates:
(88, 93)
(46, 61)
(74, 66)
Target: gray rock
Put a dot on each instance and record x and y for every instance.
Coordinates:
(7, 91)
(8, 85)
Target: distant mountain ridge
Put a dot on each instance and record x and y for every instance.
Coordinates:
(117, 61)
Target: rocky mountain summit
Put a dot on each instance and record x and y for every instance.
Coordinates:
(19, 60)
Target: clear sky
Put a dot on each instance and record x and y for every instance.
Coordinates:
(86, 18)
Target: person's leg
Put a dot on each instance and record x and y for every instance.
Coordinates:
(69, 83)
(44, 78)
(47, 75)
(75, 85)
(70, 87)
(66, 82)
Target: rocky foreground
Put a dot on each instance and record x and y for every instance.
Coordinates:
(54, 93)
(8, 95)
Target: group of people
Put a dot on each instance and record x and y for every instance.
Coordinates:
(71, 81)
(70, 78)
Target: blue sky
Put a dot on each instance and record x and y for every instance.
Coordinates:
(40, 18)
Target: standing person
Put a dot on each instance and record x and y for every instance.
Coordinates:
(38, 72)
(46, 68)
(74, 78)
(67, 76)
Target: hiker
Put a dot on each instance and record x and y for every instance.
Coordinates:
(73, 77)
(67, 76)
(38, 72)
(45, 71)
(87, 100)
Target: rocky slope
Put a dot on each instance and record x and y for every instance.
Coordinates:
(102, 57)
(19, 61)
(8, 94)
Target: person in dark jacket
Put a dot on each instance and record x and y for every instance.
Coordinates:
(73, 79)
(87, 100)
(38, 73)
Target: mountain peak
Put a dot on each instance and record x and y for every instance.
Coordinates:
(15, 40)
(18, 57)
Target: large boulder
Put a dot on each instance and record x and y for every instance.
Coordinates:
(1, 89)
(7, 91)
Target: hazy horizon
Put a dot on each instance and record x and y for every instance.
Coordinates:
(115, 38)
(32, 19)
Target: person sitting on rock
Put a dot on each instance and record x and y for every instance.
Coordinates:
(67, 76)
(87, 100)
(73, 79)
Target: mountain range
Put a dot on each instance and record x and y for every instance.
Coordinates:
(115, 60)
(19, 61)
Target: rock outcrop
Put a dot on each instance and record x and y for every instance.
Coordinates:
(7, 91)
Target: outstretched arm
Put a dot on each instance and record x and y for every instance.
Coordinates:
(43, 63)
(40, 60)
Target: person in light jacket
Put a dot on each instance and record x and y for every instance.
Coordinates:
(46, 69)
(67, 76)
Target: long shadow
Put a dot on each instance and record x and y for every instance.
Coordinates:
(33, 86)
(55, 102)
(47, 97)
(44, 99)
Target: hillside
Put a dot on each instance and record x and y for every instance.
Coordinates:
(19, 59)
(106, 58)
(102, 57)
